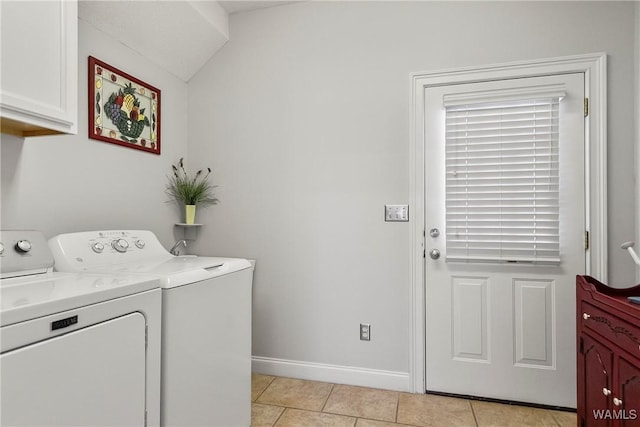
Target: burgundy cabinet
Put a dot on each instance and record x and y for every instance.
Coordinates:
(629, 376)
(597, 376)
(608, 362)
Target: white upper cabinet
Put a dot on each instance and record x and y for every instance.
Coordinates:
(39, 71)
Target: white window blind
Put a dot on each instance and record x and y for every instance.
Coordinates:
(502, 179)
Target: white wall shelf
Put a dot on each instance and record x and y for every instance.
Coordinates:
(190, 231)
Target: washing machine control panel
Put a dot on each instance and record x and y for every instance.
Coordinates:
(21, 246)
(121, 245)
(118, 241)
(23, 252)
(94, 249)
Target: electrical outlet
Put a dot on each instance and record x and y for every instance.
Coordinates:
(365, 332)
(396, 213)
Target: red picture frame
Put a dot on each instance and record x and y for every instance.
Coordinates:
(123, 110)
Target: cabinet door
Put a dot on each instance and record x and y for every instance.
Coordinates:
(629, 380)
(597, 369)
(39, 66)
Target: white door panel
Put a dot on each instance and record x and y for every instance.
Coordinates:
(505, 330)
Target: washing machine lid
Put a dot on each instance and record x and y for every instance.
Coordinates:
(30, 297)
(180, 270)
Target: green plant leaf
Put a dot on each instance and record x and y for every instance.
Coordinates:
(196, 190)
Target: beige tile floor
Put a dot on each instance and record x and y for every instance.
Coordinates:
(289, 402)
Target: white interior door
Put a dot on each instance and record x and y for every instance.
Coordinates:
(500, 318)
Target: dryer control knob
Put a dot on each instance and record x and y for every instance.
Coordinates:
(120, 245)
(140, 244)
(97, 247)
(1, 249)
(23, 246)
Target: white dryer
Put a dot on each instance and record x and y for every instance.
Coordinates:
(76, 349)
(206, 321)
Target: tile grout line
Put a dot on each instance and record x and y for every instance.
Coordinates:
(284, 408)
(264, 389)
(372, 419)
(327, 399)
(397, 408)
(473, 412)
(273, 378)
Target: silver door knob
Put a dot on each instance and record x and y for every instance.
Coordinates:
(434, 254)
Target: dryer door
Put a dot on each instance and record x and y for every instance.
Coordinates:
(93, 376)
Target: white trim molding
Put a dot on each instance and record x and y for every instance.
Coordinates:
(594, 67)
(637, 168)
(374, 378)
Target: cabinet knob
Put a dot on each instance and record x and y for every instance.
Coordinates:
(606, 391)
(617, 401)
(585, 316)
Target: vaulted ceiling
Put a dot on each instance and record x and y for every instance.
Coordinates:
(179, 36)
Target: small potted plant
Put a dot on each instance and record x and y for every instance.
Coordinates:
(191, 191)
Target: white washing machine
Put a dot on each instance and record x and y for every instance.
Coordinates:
(206, 321)
(76, 349)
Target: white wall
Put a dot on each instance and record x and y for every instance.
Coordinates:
(71, 183)
(304, 117)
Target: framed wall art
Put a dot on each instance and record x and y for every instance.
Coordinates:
(122, 109)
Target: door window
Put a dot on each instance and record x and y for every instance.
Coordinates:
(502, 180)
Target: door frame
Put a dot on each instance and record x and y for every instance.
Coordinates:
(594, 67)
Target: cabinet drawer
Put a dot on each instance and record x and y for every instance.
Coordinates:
(621, 332)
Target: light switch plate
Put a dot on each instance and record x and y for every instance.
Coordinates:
(396, 213)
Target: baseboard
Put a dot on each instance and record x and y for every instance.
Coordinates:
(388, 380)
